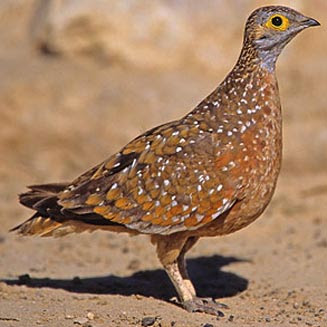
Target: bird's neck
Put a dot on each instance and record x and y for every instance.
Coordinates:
(252, 58)
(250, 90)
(254, 54)
(249, 86)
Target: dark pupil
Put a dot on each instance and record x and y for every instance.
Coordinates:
(277, 21)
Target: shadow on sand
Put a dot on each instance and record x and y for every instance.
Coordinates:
(205, 273)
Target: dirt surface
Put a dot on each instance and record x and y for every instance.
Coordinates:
(59, 115)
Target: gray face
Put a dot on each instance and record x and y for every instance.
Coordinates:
(269, 29)
(280, 26)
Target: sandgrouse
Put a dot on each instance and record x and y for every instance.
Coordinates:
(210, 173)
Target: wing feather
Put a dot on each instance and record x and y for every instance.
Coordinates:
(162, 182)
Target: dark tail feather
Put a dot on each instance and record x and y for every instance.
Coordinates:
(39, 195)
(40, 198)
(50, 219)
(49, 188)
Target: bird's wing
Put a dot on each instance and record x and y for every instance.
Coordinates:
(172, 178)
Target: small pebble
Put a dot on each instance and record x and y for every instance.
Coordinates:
(231, 318)
(125, 250)
(90, 315)
(220, 314)
(208, 325)
(148, 321)
(134, 264)
(138, 297)
(80, 321)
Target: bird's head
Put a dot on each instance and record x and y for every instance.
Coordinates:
(269, 29)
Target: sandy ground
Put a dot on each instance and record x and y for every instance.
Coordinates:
(60, 115)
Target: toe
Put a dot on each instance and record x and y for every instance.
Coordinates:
(208, 306)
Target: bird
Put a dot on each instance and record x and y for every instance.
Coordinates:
(210, 173)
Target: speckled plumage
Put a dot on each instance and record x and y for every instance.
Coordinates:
(210, 173)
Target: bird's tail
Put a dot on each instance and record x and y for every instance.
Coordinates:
(40, 198)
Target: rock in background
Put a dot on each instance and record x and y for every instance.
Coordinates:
(142, 33)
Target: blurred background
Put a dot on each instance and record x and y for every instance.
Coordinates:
(80, 78)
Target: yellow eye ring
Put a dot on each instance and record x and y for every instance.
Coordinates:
(278, 22)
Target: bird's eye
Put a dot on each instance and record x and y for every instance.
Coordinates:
(278, 22)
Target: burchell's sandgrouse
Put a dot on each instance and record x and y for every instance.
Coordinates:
(210, 173)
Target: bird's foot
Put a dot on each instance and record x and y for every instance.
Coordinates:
(206, 305)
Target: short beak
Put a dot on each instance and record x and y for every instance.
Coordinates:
(309, 22)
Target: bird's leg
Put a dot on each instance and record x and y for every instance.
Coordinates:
(171, 251)
(185, 290)
(182, 264)
(196, 304)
